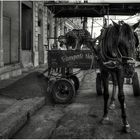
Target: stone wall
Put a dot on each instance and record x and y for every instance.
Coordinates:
(11, 12)
(9, 39)
(40, 34)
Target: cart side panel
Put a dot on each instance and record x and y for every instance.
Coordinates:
(71, 58)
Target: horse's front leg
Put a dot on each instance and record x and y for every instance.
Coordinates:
(121, 97)
(114, 91)
(106, 95)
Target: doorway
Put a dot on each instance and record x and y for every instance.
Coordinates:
(27, 31)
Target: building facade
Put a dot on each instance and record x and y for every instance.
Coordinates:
(10, 40)
(27, 30)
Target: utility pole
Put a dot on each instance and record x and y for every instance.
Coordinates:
(107, 16)
(85, 18)
(92, 26)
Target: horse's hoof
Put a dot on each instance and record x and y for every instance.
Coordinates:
(105, 120)
(112, 106)
(125, 105)
(126, 128)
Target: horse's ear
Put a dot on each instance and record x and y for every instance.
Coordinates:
(115, 24)
(135, 25)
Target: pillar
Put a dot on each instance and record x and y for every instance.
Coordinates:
(1, 34)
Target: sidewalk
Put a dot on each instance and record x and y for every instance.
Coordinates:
(20, 97)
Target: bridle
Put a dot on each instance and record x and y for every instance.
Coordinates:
(116, 62)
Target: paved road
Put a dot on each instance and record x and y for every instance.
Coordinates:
(81, 119)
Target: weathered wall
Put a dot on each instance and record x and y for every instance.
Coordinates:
(26, 58)
(11, 10)
(36, 32)
(45, 19)
(50, 31)
(9, 32)
(41, 33)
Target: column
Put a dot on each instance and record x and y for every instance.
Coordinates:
(1, 34)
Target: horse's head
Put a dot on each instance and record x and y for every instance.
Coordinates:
(127, 43)
(127, 39)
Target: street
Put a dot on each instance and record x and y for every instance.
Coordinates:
(81, 119)
(44, 44)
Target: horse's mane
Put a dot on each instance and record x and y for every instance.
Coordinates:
(109, 44)
(125, 32)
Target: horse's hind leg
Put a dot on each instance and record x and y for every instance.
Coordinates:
(106, 95)
(121, 98)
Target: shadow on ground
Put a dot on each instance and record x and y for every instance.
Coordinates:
(32, 85)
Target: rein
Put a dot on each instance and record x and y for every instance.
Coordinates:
(111, 64)
(130, 60)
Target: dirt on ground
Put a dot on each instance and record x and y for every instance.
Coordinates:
(29, 86)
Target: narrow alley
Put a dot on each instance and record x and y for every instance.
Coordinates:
(50, 52)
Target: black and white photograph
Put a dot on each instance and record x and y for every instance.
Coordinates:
(70, 69)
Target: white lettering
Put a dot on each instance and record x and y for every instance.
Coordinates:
(71, 58)
(88, 56)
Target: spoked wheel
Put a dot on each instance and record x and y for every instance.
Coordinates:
(63, 91)
(135, 84)
(99, 86)
(75, 81)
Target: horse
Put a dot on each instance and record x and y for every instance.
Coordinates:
(117, 50)
(114, 91)
(75, 39)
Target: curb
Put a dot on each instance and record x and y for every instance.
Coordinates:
(42, 125)
(16, 116)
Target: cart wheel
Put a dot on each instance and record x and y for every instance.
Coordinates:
(99, 87)
(49, 89)
(135, 84)
(63, 91)
(75, 81)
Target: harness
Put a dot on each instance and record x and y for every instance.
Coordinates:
(113, 63)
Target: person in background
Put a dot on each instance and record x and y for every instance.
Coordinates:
(54, 47)
(62, 41)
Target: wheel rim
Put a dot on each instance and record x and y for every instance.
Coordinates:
(63, 90)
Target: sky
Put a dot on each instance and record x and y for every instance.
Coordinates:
(97, 25)
(98, 22)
